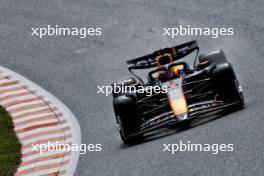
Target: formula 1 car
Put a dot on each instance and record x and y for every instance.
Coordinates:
(210, 85)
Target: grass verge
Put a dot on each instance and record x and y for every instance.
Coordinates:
(10, 154)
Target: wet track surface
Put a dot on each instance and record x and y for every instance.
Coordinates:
(70, 68)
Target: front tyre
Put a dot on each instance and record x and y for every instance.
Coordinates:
(227, 85)
(127, 118)
(224, 77)
(239, 95)
(125, 134)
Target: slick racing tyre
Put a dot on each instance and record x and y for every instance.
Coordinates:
(127, 118)
(224, 77)
(124, 133)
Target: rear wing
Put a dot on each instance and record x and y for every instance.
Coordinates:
(177, 52)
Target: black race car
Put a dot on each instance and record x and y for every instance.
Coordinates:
(185, 93)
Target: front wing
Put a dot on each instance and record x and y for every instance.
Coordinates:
(195, 110)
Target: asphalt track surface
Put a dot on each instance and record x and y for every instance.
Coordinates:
(70, 68)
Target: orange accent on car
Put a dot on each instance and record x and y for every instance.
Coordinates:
(179, 106)
(174, 52)
(175, 70)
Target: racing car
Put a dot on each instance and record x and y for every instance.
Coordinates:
(191, 91)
